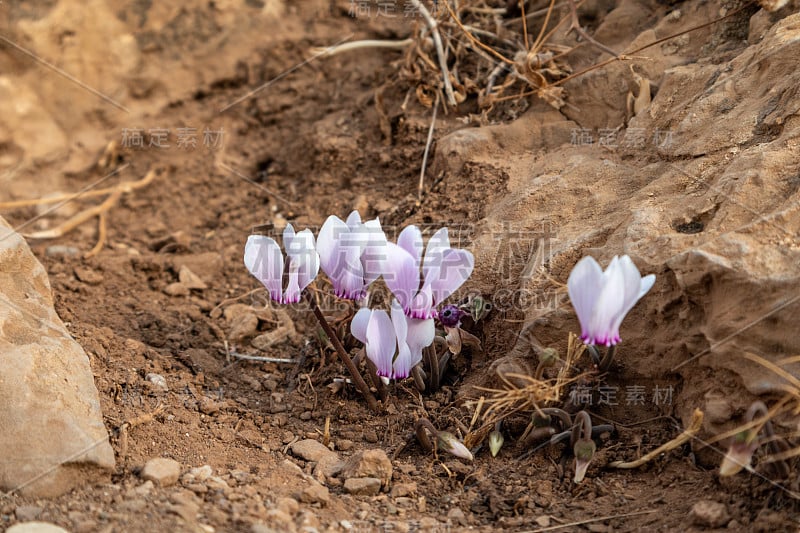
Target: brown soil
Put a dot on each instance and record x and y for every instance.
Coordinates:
(303, 147)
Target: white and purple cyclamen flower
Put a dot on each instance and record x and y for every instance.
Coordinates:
(602, 299)
(264, 259)
(393, 343)
(444, 270)
(351, 254)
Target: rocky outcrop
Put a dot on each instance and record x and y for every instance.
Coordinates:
(52, 436)
(700, 187)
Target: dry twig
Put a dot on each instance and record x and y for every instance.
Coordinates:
(437, 40)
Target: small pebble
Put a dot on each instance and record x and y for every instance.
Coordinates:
(27, 513)
(709, 514)
(60, 249)
(457, 516)
(344, 445)
(176, 289)
(35, 527)
(162, 471)
(158, 381)
(362, 486)
(316, 493)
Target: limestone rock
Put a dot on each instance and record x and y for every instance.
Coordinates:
(327, 462)
(46, 386)
(701, 190)
(316, 493)
(162, 471)
(36, 527)
(311, 450)
(368, 463)
(709, 514)
(362, 486)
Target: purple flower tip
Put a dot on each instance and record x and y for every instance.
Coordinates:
(450, 316)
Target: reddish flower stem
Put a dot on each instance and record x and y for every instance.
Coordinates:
(358, 380)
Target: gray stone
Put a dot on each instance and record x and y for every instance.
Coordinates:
(288, 505)
(190, 280)
(368, 463)
(457, 516)
(27, 513)
(362, 486)
(311, 450)
(400, 490)
(277, 521)
(711, 208)
(36, 527)
(158, 382)
(709, 514)
(315, 493)
(46, 386)
(162, 471)
(327, 462)
(197, 474)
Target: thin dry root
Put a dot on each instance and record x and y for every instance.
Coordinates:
(122, 430)
(100, 210)
(101, 236)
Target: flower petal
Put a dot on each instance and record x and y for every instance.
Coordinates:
(375, 251)
(420, 335)
(401, 274)
(405, 359)
(422, 304)
(381, 342)
(303, 263)
(399, 322)
(353, 219)
(410, 240)
(584, 285)
(449, 443)
(350, 283)
(292, 293)
(328, 244)
(647, 283)
(635, 288)
(358, 326)
(298, 244)
(288, 236)
(264, 259)
(403, 363)
(608, 305)
(455, 268)
(437, 244)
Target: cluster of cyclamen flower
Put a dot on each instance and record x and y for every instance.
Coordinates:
(354, 254)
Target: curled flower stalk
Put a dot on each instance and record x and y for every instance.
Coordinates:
(541, 425)
(443, 440)
(602, 299)
(745, 443)
(582, 444)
